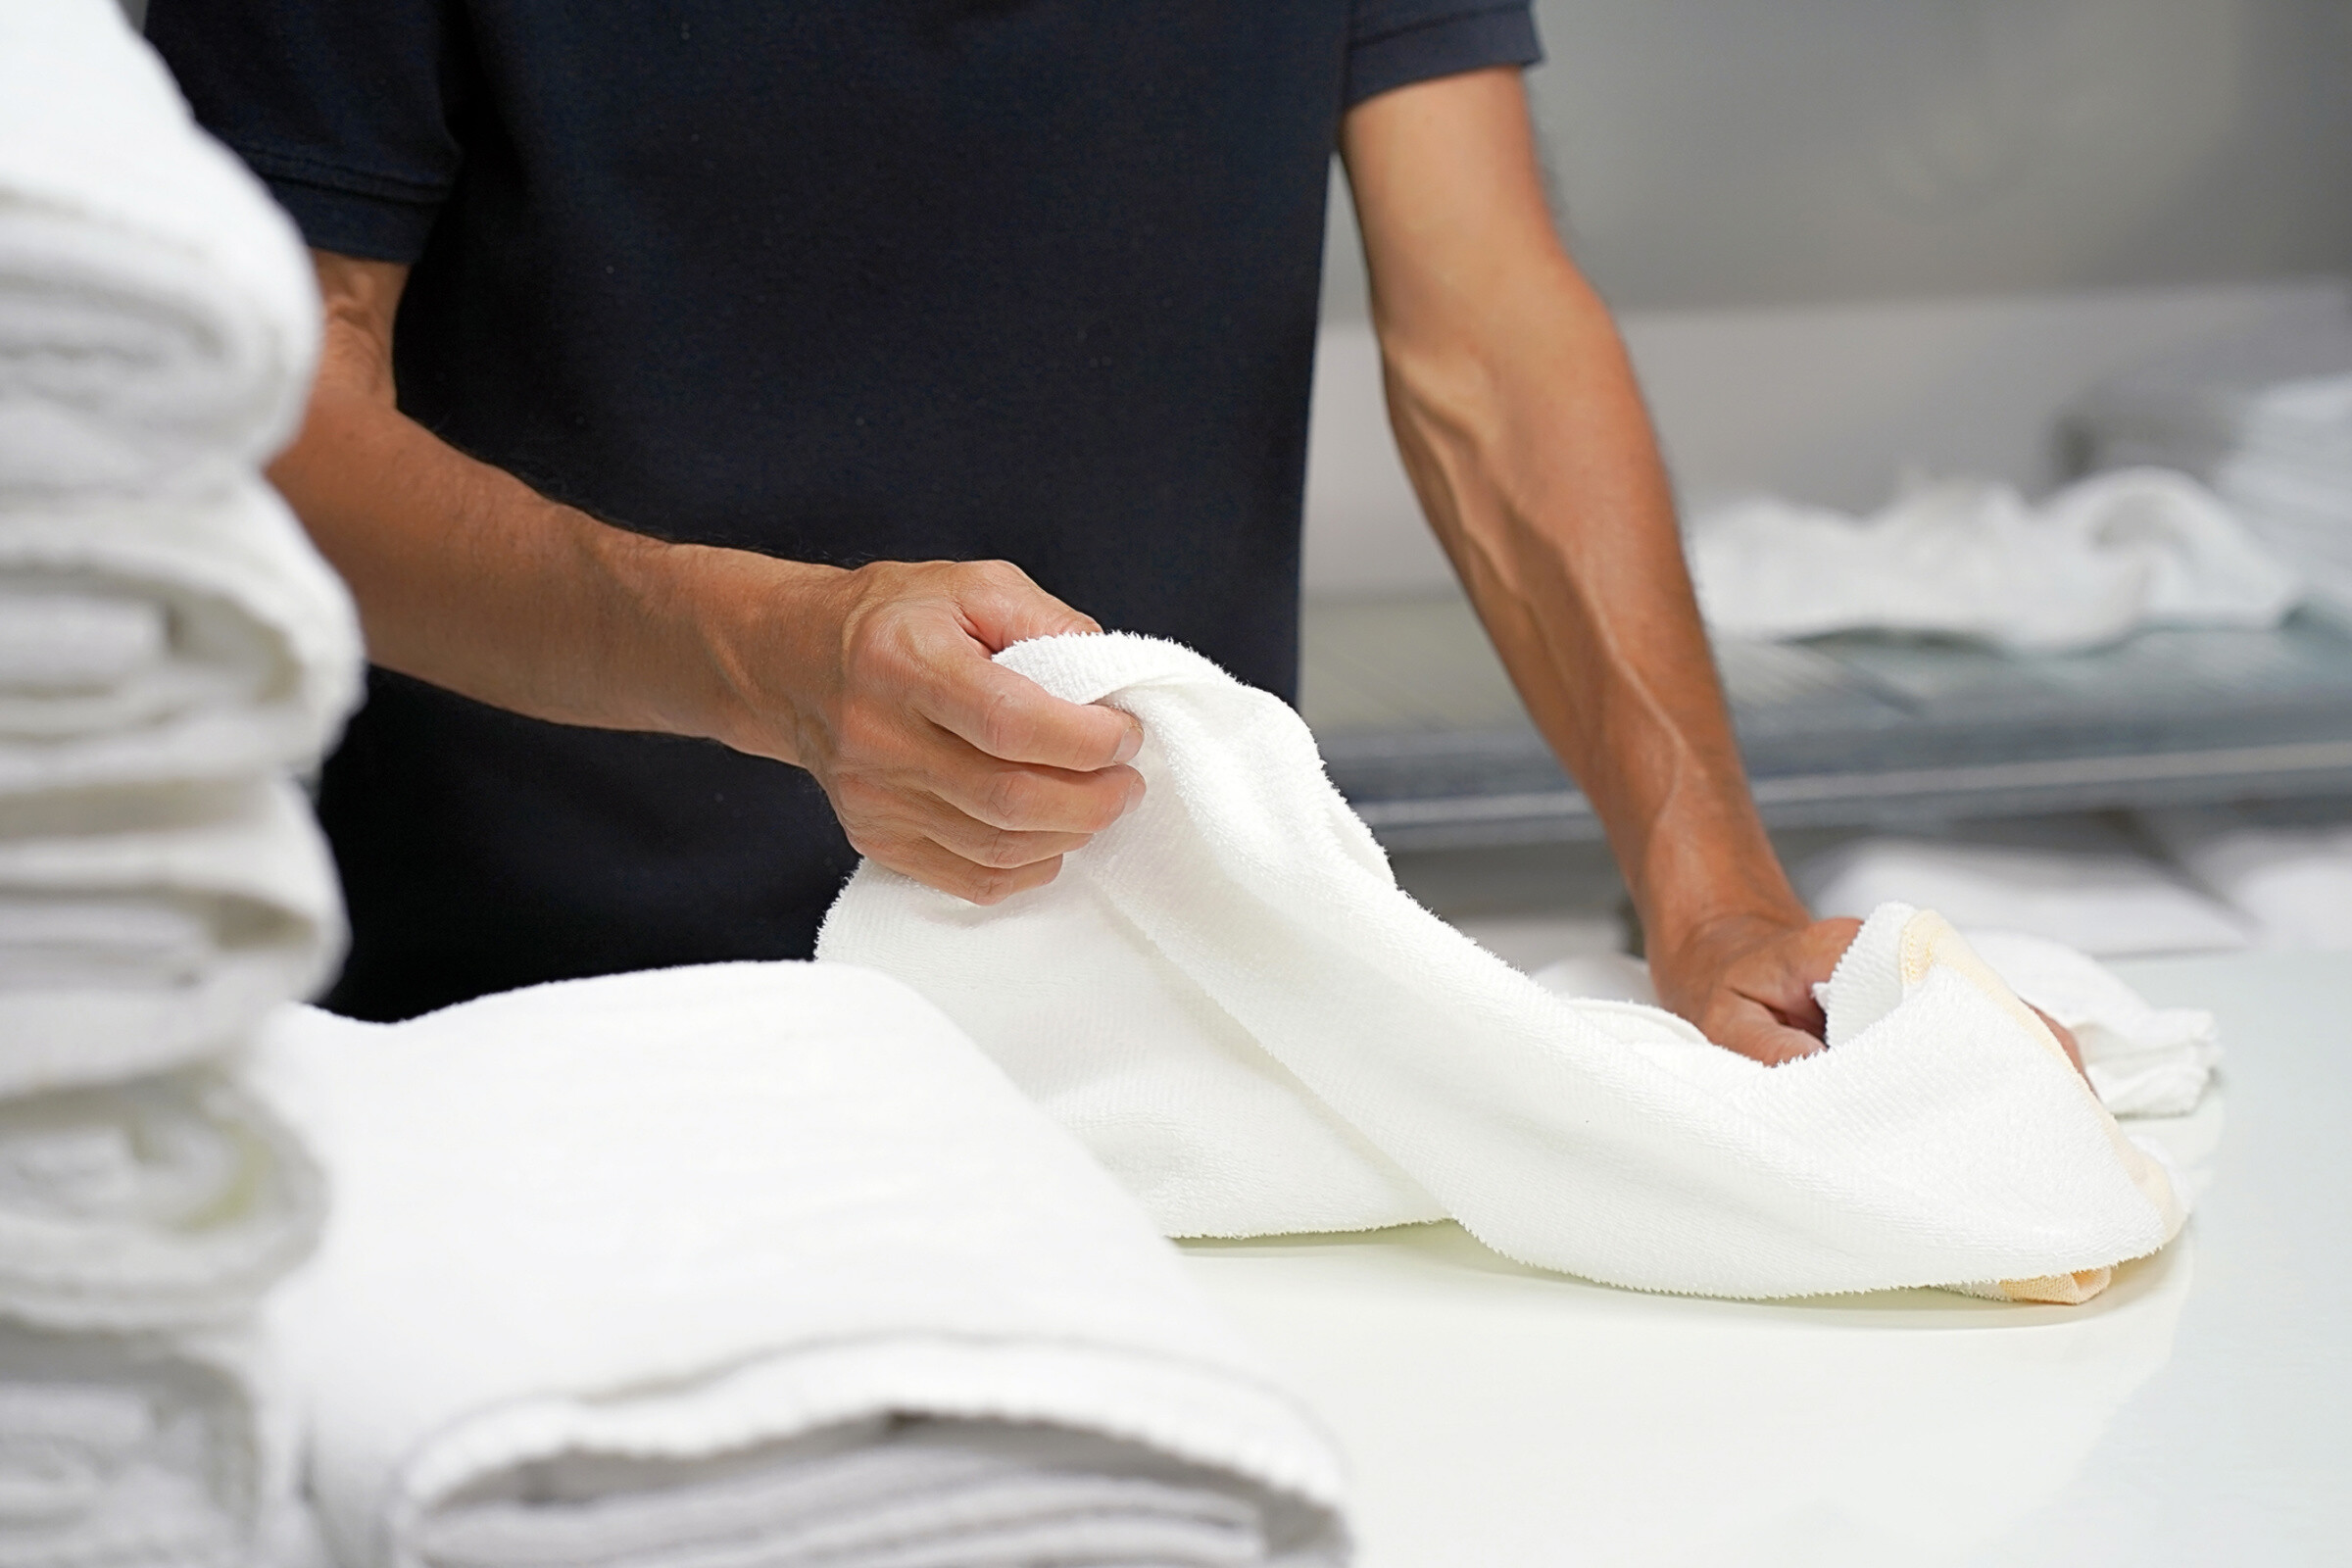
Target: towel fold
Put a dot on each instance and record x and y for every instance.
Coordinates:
(753, 1263)
(1228, 998)
(153, 640)
(2285, 871)
(2098, 893)
(170, 1202)
(141, 931)
(135, 1452)
(158, 317)
(2098, 560)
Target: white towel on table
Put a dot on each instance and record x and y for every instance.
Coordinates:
(156, 640)
(158, 315)
(2103, 898)
(138, 1452)
(2095, 562)
(750, 1263)
(2289, 879)
(1228, 998)
(169, 1202)
(139, 931)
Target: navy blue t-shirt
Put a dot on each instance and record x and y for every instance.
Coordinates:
(837, 280)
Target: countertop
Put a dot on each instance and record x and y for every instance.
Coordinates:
(2200, 1412)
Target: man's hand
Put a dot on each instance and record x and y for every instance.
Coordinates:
(939, 764)
(1747, 982)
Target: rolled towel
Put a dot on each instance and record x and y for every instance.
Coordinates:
(160, 1204)
(158, 317)
(136, 1453)
(753, 1263)
(1229, 999)
(2136, 548)
(141, 931)
(150, 640)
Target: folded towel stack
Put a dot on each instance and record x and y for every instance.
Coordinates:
(751, 1265)
(2286, 869)
(1229, 999)
(172, 651)
(2267, 420)
(2088, 566)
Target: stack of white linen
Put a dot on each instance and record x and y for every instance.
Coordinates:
(1229, 999)
(172, 652)
(755, 1263)
(2267, 420)
(2286, 872)
(2087, 567)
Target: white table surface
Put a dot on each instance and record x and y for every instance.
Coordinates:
(2200, 1412)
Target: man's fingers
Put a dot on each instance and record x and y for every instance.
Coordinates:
(935, 865)
(1001, 607)
(1748, 1028)
(1004, 797)
(1011, 717)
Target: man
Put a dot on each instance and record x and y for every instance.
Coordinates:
(741, 345)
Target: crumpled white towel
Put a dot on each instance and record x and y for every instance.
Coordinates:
(170, 1202)
(750, 1263)
(1228, 998)
(138, 1451)
(2143, 547)
(2290, 880)
(148, 641)
(158, 315)
(2099, 897)
(2144, 1060)
(141, 931)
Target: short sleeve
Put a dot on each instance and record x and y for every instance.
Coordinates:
(348, 111)
(1395, 44)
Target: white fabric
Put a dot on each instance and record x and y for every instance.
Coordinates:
(2101, 899)
(141, 931)
(2144, 1060)
(2090, 564)
(158, 317)
(2290, 881)
(1228, 998)
(719, 1265)
(166, 1202)
(161, 640)
(135, 1452)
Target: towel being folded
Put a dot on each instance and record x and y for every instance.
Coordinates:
(135, 1452)
(2095, 562)
(1229, 999)
(138, 931)
(158, 317)
(146, 641)
(750, 1263)
(166, 1202)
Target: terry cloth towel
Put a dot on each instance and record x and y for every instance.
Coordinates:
(155, 641)
(139, 931)
(1229, 999)
(2089, 566)
(170, 1202)
(2144, 1060)
(2100, 897)
(750, 1263)
(136, 1453)
(2288, 877)
(158, 317)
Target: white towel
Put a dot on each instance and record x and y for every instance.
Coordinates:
(2144, 1060)
(136, 1453)
(161, 640)
(158, 317)
(2098, 560)
(750, 1263)
(139, 931)
(166, 1202)
(2101, 898)
(2289, 878)
(1228, 998)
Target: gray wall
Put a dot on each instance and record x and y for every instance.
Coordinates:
(1717, 153)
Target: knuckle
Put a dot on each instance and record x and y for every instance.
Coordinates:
(1011, 798)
